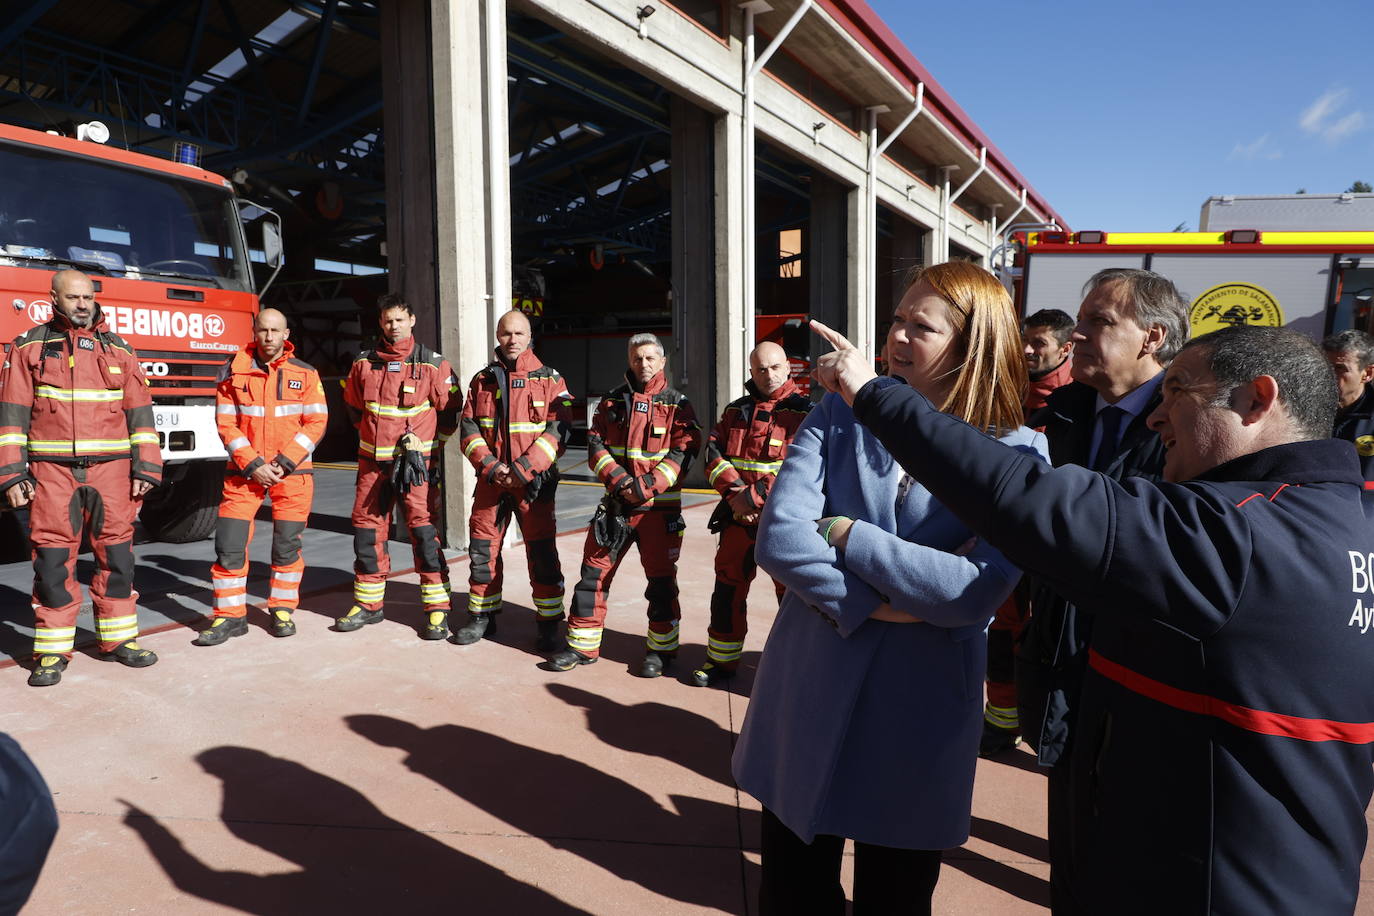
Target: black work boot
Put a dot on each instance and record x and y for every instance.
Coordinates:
(478, 625)
(547, 640)
(130, 655)
(710, 674)
(357, 618)
(567, 660)
(220, 630)
(282, 624)
(655, 663)
(435, 625)
(47, 670)
(996, 740)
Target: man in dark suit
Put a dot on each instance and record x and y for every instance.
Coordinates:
(1130, 325)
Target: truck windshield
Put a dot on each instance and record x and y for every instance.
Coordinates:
(118, 220)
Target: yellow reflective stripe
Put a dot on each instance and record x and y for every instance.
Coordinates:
(78, 394)
(775, 442)
(720, 468)
(602, 462)
(585, 639)
(52, 446)
(664, 642)
(486, 422)
(472, 446)
(547, 449)
(527, 427)
(385, 410)
(761, 467)
(143, 439)
(14, 439)
(668, 473)
(482, 603)
(387, 452)
(636, 453)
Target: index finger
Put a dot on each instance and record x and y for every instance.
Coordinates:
(831, 336)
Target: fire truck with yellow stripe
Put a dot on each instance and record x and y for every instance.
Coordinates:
(164, 242)
(1314, 282)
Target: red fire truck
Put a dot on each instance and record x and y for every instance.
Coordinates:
(164, 243)
(1315, 282)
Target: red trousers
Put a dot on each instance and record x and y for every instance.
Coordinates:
(66, 500)
(487, 530)
(1003, 635)
(234, 532)
(371, 526)
(658, 534)
(735, 570)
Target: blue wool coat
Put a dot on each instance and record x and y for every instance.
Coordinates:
(858, 727)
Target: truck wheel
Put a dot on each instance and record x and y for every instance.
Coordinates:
(185, 510)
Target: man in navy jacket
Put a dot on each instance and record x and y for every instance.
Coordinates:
(1226, 734)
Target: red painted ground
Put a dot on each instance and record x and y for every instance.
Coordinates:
(370, 771)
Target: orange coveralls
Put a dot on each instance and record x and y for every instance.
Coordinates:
(265, 413)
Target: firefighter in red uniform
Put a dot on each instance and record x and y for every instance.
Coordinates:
(643, 439)
(271, 414)
(405, 400)
(743, 457)
(515, 426)
(77, 444)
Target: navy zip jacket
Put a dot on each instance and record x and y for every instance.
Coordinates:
(1356, 424)
(1222, 762)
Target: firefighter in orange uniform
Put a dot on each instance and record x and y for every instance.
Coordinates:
(642, 441)
(271, 414)
(77, 445)
(743, 457)
(404, 399)
(515, 426)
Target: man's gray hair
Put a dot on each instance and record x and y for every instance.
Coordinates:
(1354, 342)
(1156, 301)
(644, 339)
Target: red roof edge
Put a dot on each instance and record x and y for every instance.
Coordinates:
(868, 28)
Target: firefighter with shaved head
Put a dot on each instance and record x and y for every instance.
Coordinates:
(743, 457)
(515, 425)
(271, 413)
(77, 445)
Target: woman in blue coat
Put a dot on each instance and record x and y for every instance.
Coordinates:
(865, 715)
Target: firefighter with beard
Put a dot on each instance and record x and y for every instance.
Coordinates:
(642, 441)
(743, 457)
(404, 399)
(271, 413)
(77, 445)
(515, 426)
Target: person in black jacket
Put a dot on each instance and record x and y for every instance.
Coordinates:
(28, 823)
(1351, 355)
(1222, 762)
(1130, 325)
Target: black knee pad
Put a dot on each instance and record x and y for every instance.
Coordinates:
(722, 601)
(231, 542)
(286, 542)
(479, 560)
(50, 576)
(426, 541)
(120, 558)
(661, 592)
(365, 549)
(544, 559)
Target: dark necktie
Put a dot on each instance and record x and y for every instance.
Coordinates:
(1110, 418)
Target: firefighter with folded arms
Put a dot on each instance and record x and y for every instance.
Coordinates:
(78, 446)
(515, 426)
(743, 457)
(642, 441)
(404, 400)
(271, 413)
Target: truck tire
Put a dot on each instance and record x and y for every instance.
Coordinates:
(185, 510)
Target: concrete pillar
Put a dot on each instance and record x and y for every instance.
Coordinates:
(448, 197)
(731, 362)
(692, 363)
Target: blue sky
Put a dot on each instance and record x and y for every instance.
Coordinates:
(1126, 116)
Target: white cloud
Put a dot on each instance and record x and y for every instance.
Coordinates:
(1256, 149)
(1324, 116)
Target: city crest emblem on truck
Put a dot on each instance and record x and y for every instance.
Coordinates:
(1233, 304)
